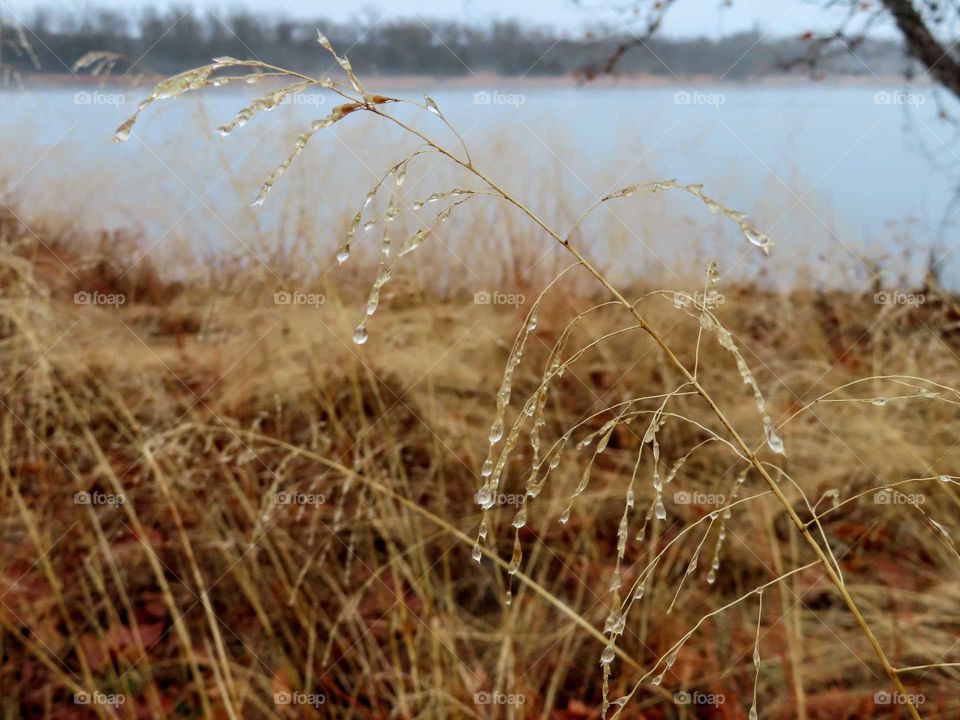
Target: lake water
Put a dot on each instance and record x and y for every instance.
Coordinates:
(832, 171)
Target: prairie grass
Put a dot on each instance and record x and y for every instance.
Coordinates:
(672, 542)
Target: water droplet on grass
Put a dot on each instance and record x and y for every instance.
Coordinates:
(608, 654)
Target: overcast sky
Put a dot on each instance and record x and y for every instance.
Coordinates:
(687, 18)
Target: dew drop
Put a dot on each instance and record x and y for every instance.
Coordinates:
(343, 256)
(774, 441)
(757, 238)
(487, 468)
(360, 335)
(608, 654)
(521, 518)
(123, 133)
(477, 554)
(660, 510)
(485, 498)
(496, 431)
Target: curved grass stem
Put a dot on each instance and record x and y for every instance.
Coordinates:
(745, 449)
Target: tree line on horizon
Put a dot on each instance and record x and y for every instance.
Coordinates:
(171, 40)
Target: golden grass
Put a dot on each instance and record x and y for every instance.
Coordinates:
(198, 593)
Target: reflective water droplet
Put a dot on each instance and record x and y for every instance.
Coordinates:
(496, 431)
(485, 498)
(521, 518)
(774, 441)
(660, 510)
(757, 238)
(343, 256)
(608, 654)
(360, 335)
(517, 556)
(477, 553)
(487, 468)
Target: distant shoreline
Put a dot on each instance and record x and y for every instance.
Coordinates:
(492, 81)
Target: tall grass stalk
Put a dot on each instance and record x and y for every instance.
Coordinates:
(358, 100)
